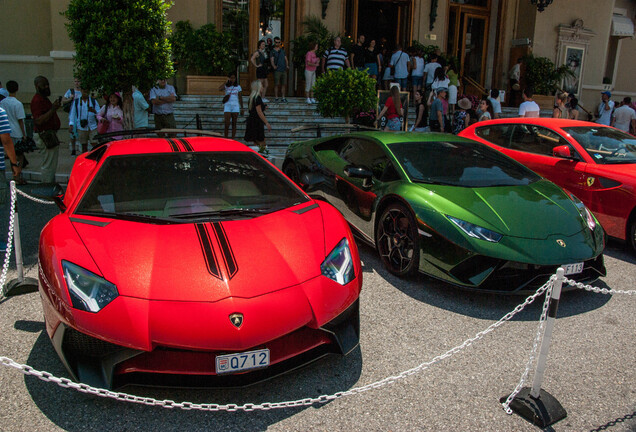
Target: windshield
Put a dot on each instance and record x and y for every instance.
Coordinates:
(176, 187)
(605, 145)
(467, 164)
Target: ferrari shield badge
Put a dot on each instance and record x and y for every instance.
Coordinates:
(590, 181)
(560, 243)
(236, 319)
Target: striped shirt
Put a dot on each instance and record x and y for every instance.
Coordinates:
(335, 58)
(5, 128)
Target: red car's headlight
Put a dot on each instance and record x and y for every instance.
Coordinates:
(338, 265)
(88, 291)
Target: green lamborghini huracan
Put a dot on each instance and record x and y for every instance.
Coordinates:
(452, 208)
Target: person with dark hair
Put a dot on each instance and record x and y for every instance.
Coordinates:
(421, 112)
(515, 78)
(605, 108)
(6, 151)
(233, 106)
(311, 63)
(623, 117)
(357, 54)
(387, 75)
(529, 108)
(278, 59)
(83, 119)
(485, 107)
(399, 63)
(573, 108)
(372, 61)
(15, 113)
(496, 105)
(417, 72)
(436, 114)
(394, 110)
(46, 123)
(67, 100)
(429, 71)
(3, 92)
(259, 60)
(162, 97)
(113, 114)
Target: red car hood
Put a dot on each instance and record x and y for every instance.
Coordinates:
(208, 261)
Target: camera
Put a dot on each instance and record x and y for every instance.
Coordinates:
(83, 123)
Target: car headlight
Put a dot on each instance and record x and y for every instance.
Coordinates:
(476, 231)
(584, 211)
(338, 265)
(88, 291)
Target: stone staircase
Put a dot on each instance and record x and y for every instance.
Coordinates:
(283, 117)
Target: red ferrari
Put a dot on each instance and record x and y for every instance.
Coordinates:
(595, 163)
(193, 262)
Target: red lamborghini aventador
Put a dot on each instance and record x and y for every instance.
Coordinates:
(190, 262)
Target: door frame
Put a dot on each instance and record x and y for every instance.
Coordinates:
(354, 24)
(484, 47)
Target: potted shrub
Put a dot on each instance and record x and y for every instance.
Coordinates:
(342, 93)
(544, 77)
(204, 55)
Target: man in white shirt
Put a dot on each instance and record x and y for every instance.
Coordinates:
(496, 105)
(163, 97)
(622, 118)
(429, 71)
(605, 109)
(82, 119)
(529, 108)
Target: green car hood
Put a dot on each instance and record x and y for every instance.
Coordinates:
(535, 211)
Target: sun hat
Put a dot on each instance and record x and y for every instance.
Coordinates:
(464, 103)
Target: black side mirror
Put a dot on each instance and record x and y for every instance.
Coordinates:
(309, 181)
(59, 200)
(360, 172)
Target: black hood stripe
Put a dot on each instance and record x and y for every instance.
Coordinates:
(89, 222)
(208, 251)
(228, 255)
(186, 145)
(173, 145)
(305, 209)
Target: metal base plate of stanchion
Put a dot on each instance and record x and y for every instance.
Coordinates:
(17, 287)
(542, 411)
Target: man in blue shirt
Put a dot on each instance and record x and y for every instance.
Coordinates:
(140, 105)
(399, 63)
(280, 65)
(8, 149)
(496, 105)
(436, 116)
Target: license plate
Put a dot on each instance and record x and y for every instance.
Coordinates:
(573, 268)
(237, 362)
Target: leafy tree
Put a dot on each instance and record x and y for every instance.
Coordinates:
(345, 92)
(119, 44)
(543, 75)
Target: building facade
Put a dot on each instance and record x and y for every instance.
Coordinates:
(596, 39)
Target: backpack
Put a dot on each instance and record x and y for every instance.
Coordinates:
(67, 106)
(91, 102)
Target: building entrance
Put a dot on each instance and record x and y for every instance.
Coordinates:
(377, 19)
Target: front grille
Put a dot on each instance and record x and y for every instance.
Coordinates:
(77, 344)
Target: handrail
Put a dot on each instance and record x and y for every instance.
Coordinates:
(319, 127)
(475, 84)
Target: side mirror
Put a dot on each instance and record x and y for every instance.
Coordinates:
(562, 152)
(309, 181)
(358, 172)
(59, 200)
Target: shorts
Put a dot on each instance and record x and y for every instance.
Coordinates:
(310, 80)
(86, 135)
(231, 107)
(280, 78)
(417, 80)
(394, 124)
(452, 94)
(261, 72)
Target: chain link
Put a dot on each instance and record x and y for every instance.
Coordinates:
(535, 345)
(598, 290)
(84, 388)
(32, 198)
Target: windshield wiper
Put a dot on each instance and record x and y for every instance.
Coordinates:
(226, 212)
(434, 182)
(130, 216)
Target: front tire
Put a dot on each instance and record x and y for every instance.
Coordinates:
(631, 234)
(396, 240)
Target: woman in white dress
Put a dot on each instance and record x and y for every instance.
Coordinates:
(232, 103)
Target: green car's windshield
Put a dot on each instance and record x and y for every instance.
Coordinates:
(467, 164)
(186, 187)
(605, 145)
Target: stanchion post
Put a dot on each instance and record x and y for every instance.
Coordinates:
(537, 405)
(21, 285)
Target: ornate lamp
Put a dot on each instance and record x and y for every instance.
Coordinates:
(325, 3)
(541, 4)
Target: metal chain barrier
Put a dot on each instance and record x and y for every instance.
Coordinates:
(32, 198)
(535, 345)
(590, 288)
(84, 388)
(7, 255)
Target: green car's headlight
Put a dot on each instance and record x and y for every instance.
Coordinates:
(338, 265)
(476, 231)
(585, 213)
(88, 291)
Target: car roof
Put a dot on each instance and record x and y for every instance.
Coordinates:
(172, 145)
(539, 121)
(400, 137)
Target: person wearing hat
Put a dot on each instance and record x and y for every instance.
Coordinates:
(436, 115)
(461, 117)
(605, 109)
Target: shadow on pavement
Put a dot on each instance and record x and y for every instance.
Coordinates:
(620, 251)
(74, 411)
(475, 304)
